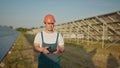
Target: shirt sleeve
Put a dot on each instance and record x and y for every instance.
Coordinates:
(60, 40)
(38, 39)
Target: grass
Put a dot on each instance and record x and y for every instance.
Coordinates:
(30, 38)
(78, 54)
(18, 57)
(101, 57)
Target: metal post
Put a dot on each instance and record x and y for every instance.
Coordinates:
(103, 34)
(88, 34)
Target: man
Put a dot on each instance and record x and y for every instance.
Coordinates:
(49, 44)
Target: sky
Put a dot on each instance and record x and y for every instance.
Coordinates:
(30, 13)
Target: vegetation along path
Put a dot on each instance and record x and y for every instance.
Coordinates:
(21, 55)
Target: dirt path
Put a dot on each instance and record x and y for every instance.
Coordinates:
(22, 55)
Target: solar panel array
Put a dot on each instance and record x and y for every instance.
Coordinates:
(7, 39)
(101, 27)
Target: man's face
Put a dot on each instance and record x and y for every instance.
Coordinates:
(49, 26)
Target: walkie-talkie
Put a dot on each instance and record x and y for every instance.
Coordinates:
(51, 50)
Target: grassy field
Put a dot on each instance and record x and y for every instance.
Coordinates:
(78, 54)
(92, 55)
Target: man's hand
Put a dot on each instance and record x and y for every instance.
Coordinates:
(45, 51)
(59, 50)
(56, 51)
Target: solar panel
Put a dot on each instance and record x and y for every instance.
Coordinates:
(7, 38)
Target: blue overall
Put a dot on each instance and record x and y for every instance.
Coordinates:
(49, 60)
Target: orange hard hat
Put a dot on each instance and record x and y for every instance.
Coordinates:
(49, 19)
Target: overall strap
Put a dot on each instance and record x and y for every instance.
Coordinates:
(57, 38)
(42, 37)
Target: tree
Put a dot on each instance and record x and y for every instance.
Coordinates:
(21, 29)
